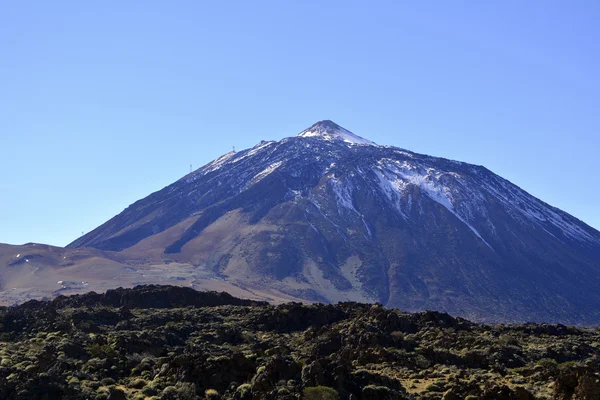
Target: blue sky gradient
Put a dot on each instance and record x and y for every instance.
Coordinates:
(105, 102)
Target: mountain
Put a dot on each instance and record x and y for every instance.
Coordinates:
(330, 216)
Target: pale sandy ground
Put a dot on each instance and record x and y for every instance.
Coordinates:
(36, 271)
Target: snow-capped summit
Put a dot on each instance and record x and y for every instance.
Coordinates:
(329, 216)
(329, 130)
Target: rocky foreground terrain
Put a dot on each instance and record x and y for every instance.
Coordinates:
(165, 342)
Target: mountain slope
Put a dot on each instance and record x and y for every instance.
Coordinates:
(330, 216)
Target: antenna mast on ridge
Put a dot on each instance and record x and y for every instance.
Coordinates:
(190, 167)
(234, 149)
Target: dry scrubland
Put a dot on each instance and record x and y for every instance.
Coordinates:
(165, 342)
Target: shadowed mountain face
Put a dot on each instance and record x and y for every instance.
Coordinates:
(330, 216)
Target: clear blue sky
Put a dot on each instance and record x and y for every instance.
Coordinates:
(102, 103)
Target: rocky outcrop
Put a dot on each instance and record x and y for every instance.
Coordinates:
(577, 383)
(152, 296)
(91, 347)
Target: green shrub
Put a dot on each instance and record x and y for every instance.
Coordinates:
(435, 387)
(244, 391)
(22, 365)
(211, 394)
(170, 393)
(524, 371)
(31, 369)
(149, 391)
(320, 393)
(88, 326)
(186, 391)
(116, 393)
(377, 392)
(547, 363)
(282, 391)
(92, 384)
(107, 381)
(73, 381)
(145, 375)
(101, 350)
(567, 365)
(244, 388)
(507, 340)
(137, 383)
(102, 393)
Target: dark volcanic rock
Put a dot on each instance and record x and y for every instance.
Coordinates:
(577, 383)
(94, 347)
(153, 296)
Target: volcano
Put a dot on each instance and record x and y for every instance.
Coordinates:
(330, 216)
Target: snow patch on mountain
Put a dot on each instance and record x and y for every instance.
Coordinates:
(521, 204)
(392, 188)
(265, 172)
(343, 194)
(464, 190)
(212, 166)
(249, 153)
(395, 177)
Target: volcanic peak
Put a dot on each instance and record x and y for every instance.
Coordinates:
(329, 130)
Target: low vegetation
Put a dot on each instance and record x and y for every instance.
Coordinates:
(162, 342)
